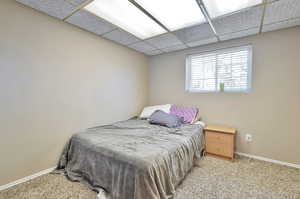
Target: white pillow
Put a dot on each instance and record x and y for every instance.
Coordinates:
(201, 123)
(148, 110)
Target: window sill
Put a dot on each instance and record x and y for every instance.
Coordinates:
(233, 91)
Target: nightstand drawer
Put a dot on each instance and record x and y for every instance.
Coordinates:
(219, 138)
(219, 150)
(219, 143)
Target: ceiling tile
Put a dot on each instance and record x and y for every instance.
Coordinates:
(164, 41)
(154, 52)
(76, 2)
(142, 47)
(203, 42)
(238, 22)
(121, 36)
(174, 48)
(195, 33)
(281, 25)
(90, 22)
(282, 10)
(243, 33)
(55, 8)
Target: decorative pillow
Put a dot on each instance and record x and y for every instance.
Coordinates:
(188, 114)
(148, 110)
(161, 118)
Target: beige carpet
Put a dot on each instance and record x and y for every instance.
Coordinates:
(214, 179)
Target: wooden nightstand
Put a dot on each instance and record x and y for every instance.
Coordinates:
(220, 141)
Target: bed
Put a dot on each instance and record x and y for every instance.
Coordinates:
(132, 159)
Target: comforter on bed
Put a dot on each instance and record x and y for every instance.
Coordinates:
(132, 159)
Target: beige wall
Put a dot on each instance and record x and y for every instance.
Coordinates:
(270, 112)
(56, 79)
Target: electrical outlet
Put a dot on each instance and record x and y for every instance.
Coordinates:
(248, 138)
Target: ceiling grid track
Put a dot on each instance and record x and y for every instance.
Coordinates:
(285, 20)
(78, 9)
(109, 31)
(138, 6)
(148, 14)
(207, 17)
(174, 39)
(154, 19)
(263, 16)
(85, 3)
(152, 45)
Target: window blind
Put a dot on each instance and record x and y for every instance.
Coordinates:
(222, 70)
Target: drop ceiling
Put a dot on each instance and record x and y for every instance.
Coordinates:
(164, 28)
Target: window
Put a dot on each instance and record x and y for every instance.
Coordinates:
(222, 70)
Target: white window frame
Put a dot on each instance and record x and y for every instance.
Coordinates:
(223, 50)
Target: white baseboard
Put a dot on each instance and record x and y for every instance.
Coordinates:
(269, 160)
(6, 186)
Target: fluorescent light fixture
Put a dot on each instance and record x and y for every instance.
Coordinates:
(174, 14)
(218, 8)
(124, 14)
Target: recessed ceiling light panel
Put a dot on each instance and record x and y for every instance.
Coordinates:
(124, 14)
(174, 14)
(218, 8)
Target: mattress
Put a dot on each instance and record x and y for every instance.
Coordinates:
(132, 159)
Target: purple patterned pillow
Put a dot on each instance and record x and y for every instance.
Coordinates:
(188, 114)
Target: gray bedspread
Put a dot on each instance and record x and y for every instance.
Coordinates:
(132, 159)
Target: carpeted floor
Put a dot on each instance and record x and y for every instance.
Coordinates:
(214, 179)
